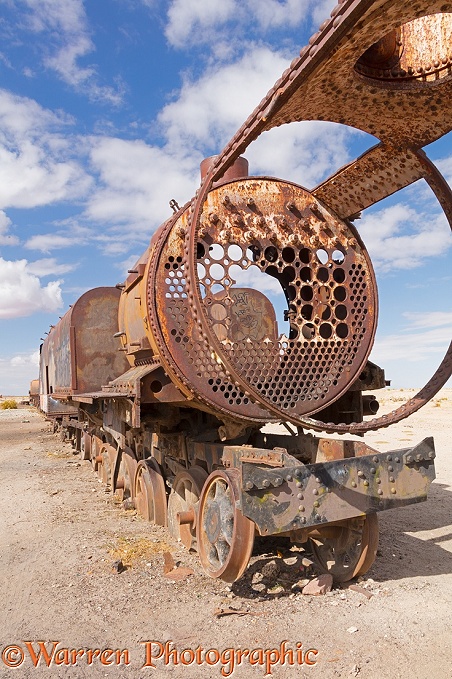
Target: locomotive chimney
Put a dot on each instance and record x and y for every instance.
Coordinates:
(238, 170)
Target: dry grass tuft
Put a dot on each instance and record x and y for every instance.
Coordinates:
(60, 455)
(134, 550)
(9, 404)
(438, 402)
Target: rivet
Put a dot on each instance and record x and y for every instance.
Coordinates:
(391, 478)
(298, 484)
(289, 477)
(301, 508)
(390, 468)
(278, 481)
(303, 519)
(283, 223)
(409, 458)
(360, 474)
(389, 458)
(366, 483)
(380, 492)
(354, 484)
(300, 496)
(249, 485)
(316, 503)
(373, 470)
(378, 480)
(397, 459)
(315, 491)
(419, 457)
(375, 459)
(317, 479)
(265, 483)
(393, 491)
(298, 473)
(318, 518)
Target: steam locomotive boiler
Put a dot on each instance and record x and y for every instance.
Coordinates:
(256, 303)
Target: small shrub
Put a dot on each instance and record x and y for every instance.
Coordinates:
(9, 404)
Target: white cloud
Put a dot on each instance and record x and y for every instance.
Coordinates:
(399, 237)
(321, 10)
(66, 40)
(46, 242)
(190, 20)
(35, 164)
(275, 13)
(197, 21)
(425, 335)
(137, 181)
(5, 238)
(21, 293)
(127, 264)
(16, 373)
(305, 152)
(49, 267)
(25, 359)
(430, 319)
(209, 110)
(445, 166)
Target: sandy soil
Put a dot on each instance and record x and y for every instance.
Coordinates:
(60, 534)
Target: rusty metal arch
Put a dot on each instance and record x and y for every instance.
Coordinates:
(313, 89)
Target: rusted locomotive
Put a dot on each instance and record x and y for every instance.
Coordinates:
(256, 303)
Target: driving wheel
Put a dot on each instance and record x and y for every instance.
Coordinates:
(150, 494)
(224, 535)
(346, 550)
(183, 505)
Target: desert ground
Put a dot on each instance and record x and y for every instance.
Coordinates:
(61, 535)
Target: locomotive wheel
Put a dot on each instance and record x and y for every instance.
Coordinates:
(96, 447)
(124, 482)
(150, 495)
(85, 446)
(107, 466)
(77, 441)
(347, 550)
(184, 498)
(225, 537)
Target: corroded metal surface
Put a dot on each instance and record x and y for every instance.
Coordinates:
(257, 302)
(182, 505)
(327, 83)
(346, 550)
(258, 231)
(323, 83)
(224, 535)
(295, 497)
(80, 354)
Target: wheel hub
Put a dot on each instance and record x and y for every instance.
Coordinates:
(212, 522)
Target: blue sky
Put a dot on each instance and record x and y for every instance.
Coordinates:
(107, 109)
